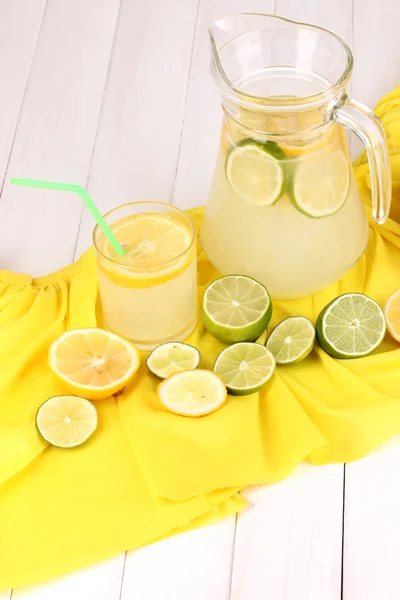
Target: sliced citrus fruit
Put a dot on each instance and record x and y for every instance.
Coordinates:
(192, 393)
(292, 340)
(245, 367)
(351, 326)
(330, 137)
(172, 357)
(66, 421)
(236, 308)
(93, 363)
(255, 171)
(321, 184)
(392, 315)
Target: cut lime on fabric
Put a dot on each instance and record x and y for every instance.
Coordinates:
(192, 393)
(66, 421)
(351, 326)
(236, 308)
(172, 357)
(256, 172)
(93, 363)
(245, 368)
(292, 340)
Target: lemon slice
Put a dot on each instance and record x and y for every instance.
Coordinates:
(66, 421)
(245, 368)
(321, 184)
(351, 326)
(93, 363)
(392, 315)
(236, 308)
(172, 357)
(292, 340)
(149, 240)
(192, 393)
(255, 171)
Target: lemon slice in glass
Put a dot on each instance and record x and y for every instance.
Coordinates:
(192, 393)
(245, 367)
(66, 421)
(321, 184)
(292, 340)
(172, 357)
(351, 326)
(236, 308)
(255, 171)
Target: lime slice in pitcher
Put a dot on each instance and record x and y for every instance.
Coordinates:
(255, 172)
(292, 340)
(245, 368)
(351, 326)
(321, 184)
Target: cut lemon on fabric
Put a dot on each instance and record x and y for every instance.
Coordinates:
(93, 363)
(255, 171)
(66, 421)
(292, 340)
(172, 357)
(245, 367)
(392, 315)
(351, 326)
(321, 184)
(236, 308)
(192, 393)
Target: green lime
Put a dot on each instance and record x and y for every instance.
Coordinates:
(236, 308)
(321, 184)
(351, 326)
(172, 357)
(66, 421)
(255, 171)
(292, 340)
(245, 367)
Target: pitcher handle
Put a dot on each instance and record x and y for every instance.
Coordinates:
(366, 125)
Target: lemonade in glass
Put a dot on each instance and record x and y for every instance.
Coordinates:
(149, 295)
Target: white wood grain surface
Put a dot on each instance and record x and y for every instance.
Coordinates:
(116, 95)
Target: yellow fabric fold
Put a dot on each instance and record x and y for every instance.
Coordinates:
(147, 473)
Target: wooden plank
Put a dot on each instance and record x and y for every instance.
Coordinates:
(6, 595)
(372, 524)
(56, 133)
(18, 38)
(100, 582)
(139, 133)
(195, 565)
(289, 542)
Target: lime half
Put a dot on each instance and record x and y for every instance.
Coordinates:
(321, 184)
(292, 340)
(236, 308)
(66, 421)
(351, 326)
(255, 171)
(172, 357)
(245, 367)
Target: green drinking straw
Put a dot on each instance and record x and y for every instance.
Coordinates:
(70, 187)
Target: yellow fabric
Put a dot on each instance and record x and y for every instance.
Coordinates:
(147, 473)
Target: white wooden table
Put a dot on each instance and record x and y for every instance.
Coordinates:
(115, 95)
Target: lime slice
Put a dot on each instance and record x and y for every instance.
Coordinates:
(66, 421)
(292, 340)
(321, 184)
(255, 171)
(172, 357)
(245, 367)
(351, 326)
(236, 308)
(192, 393)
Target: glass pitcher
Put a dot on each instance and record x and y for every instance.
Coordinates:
(284, 206)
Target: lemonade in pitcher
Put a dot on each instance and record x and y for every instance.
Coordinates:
(149, 295)
(284, 206)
